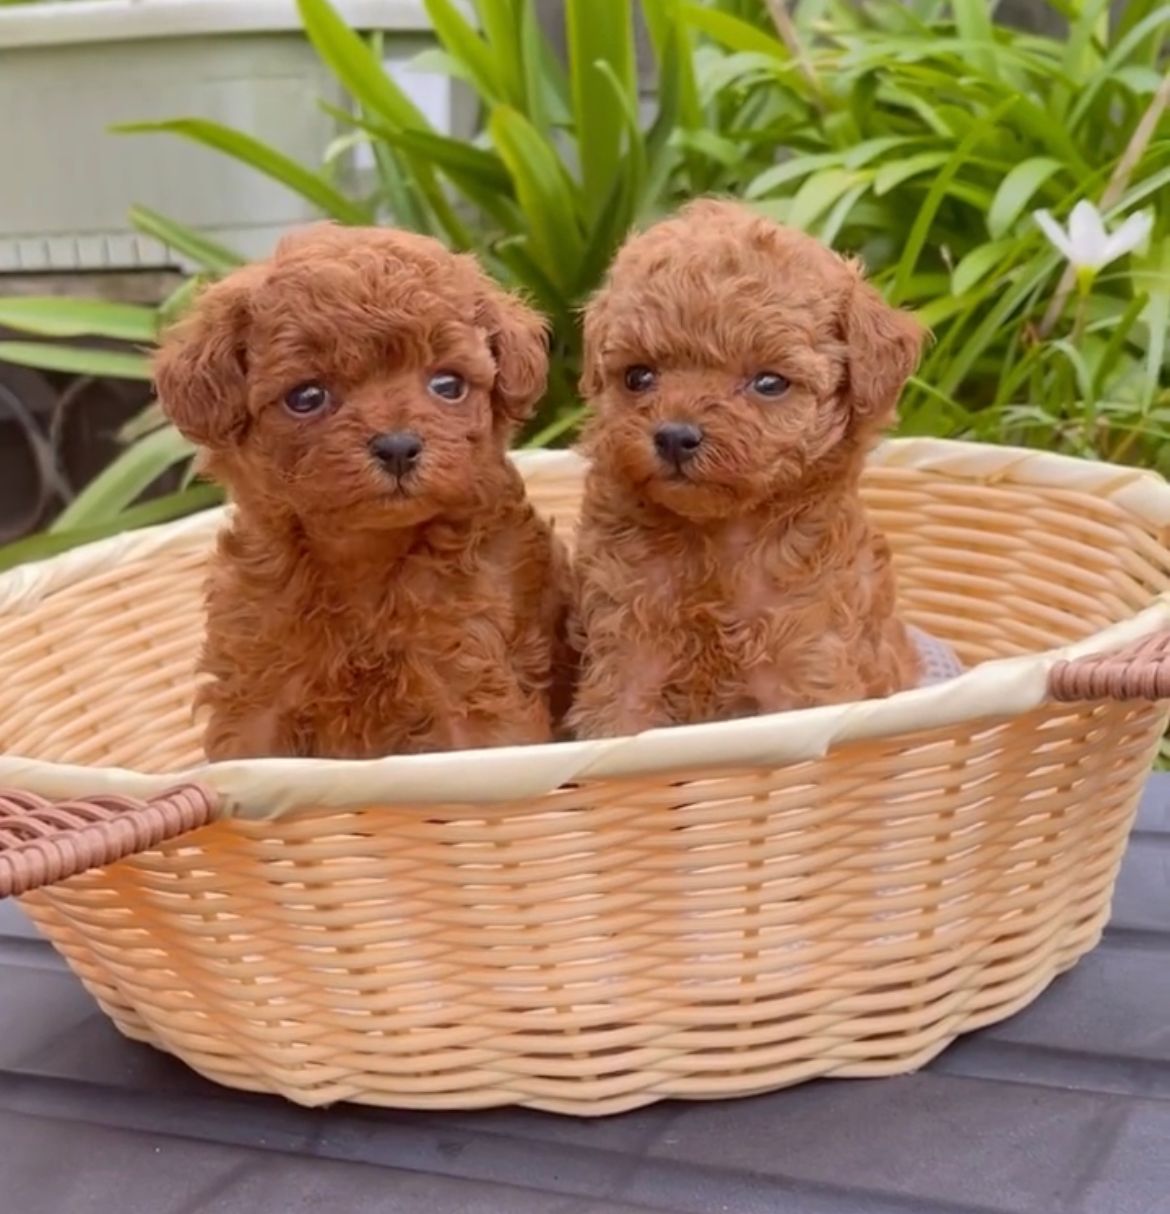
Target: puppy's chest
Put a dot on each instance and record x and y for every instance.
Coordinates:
(737, 598)
(720, 588)
(413, 630)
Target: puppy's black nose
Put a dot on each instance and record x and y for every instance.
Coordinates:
(677, 442)
(397, 452)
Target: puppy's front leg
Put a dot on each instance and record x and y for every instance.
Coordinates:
(622, 692)
(238, 730)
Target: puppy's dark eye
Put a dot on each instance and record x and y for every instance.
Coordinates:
(770, 384)
(640, 378)
(307, 398)
(448, 386)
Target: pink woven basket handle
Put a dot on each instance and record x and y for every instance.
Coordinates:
(43, 842)
(1140, 671)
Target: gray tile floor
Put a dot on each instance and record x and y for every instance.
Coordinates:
(1065, 1109)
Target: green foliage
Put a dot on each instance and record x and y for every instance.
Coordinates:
(920, 136)
(923, 138)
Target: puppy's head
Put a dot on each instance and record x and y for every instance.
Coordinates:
(361, 378)
(727, 357)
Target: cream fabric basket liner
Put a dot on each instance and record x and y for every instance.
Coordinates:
(588, 926)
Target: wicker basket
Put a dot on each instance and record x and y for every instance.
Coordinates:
(588, 927)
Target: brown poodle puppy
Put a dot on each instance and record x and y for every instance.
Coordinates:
(739, 373)
(384, 585)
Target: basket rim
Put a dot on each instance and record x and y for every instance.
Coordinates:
(267, 788)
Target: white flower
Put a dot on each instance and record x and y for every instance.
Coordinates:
(1086, 243)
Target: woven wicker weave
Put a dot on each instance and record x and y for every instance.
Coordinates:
(692, 913)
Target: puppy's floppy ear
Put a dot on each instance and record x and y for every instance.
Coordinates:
(593, 340)
(200, 371)
(518, 340)
(883, 345)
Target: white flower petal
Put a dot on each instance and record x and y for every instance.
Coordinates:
(1054, 232)
(1088, 237)
(1133, 233)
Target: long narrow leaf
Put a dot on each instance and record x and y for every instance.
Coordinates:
(513, 253)
(1119, 335)
(819, 193)
(732, 32)
(1157, 317)
(159, 510)
(357, 69)
(457, 155)
(676, 72)
(1117, 55)
(501, 21)
(259, 156)
(599, 31)
(544, 193)
(934, 197)
(465, 45)
(978, 263)
(191, 244)
(75, 360)
(126, 479)
(1017, 190)
(973, 18)
(59, 316)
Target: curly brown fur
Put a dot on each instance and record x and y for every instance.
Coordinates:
(747, 579)
(354, 609)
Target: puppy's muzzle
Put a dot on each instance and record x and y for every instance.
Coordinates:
(677, 442)
(398, 452)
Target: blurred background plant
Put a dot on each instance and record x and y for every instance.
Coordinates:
(923, 136)
(919, 135)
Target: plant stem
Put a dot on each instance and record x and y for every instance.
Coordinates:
(1122, 172)
(786, 28)
(1084, 286)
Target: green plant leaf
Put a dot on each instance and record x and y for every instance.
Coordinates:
(568, 421)
(1157, 316)
(149, 418)
(600, 31)
(191, 244)
(357, 69)
(841, 212)
(1083, 30)
(819, 193)
(76, 360)
(770, 181)
(438, 62)
(678, 88)
(732, 32)
(1119, 335)
(895, 172)
(148, 514)
(973, 19)
(1120, 51)
(545, 88)
(1139, 79)
(862, 153)
(1076, 360)
(978, 263)
(500, 21)
(468, 48)
(514, 254)
(60, 316)
(1017, 190)
(456, 156)
(179, 300)
(544, 193)
(259, 156)
(125, 480)
(925, 218)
